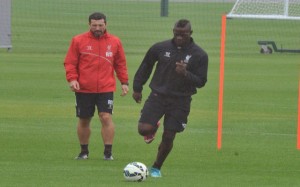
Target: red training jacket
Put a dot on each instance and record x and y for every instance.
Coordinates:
(93, 62)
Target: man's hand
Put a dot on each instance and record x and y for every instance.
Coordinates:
(74, 85)
(125, 89)
(181, 68)
(137, 97)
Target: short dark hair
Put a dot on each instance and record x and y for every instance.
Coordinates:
(97, 16)
(183, 23)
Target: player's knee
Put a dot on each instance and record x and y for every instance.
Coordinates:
(104, 117)
(84, 122)
(145, 129)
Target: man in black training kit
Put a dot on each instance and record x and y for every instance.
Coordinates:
(181, 68)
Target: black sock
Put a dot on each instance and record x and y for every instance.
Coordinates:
(107, 150)
(84, 148)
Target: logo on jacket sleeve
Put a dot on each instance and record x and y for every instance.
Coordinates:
(108, 51)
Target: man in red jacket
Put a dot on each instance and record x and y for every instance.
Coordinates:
(91, 62)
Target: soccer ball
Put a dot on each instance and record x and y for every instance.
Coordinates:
(135, 171)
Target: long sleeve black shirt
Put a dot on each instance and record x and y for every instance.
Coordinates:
(165, 79)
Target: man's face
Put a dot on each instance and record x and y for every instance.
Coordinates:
(97, 27)
(182, 36)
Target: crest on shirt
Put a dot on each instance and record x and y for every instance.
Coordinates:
(108, 51)
(187, 58)
(89, 48)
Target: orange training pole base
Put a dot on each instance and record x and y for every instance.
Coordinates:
(221, 87)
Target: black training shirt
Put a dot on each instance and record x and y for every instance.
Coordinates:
(165, 79)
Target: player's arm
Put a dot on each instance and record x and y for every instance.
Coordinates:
(70, 64)
(120, 67)
(143, 73)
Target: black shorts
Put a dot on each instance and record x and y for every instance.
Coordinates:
(86, 102)
(174, 109)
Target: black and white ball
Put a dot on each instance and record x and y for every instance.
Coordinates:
(135, 171)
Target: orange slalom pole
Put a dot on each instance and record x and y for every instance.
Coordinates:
(221, 86)
(298, 134)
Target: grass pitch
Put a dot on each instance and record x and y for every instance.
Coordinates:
(37, 114)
